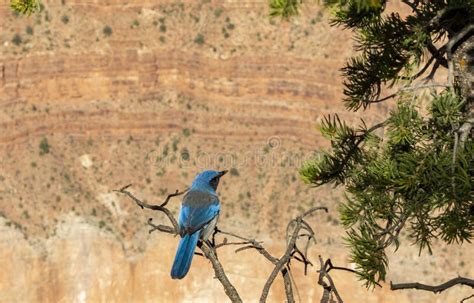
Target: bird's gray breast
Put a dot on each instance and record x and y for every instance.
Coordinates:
(196, 199)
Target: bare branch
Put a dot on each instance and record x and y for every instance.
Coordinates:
(467, 298)
(253, 244)
(280, 264)
(384, 98)
(160, 207)
(287, 256)
(437, 53)
(422, 70)
(437, 288)
(432, 72)
(331, 267)
(162, 228)
(229, 289)
(328, 289)
(413, 88)
(290, 298)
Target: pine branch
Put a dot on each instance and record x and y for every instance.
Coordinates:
(437, 288)
(358, 140)
(412, 5)
(437, 53)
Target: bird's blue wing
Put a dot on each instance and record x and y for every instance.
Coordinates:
(197, 210)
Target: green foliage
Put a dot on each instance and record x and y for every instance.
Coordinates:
(284, 8)
(358, 10)
(446, 111)
(175, 144)
(404, 127)
(65, 19)
(355, 13)
(186, 132)
(25, 215)
(409, 178)
(17, 40)
(199, 39)
(218, 12)
(25, 7)
(44, 147)
(29, 30)
(107, 30)
(331, 167)
(185, 154)
(135, 23)
(225, 33)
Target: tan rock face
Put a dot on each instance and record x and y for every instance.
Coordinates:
(174, 89)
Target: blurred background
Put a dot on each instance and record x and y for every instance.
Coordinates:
(95, 95)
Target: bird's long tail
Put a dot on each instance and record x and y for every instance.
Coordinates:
(184, 255)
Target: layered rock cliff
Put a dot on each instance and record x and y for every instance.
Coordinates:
(98, 94)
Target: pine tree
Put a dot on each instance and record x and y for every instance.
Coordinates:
(418, 176)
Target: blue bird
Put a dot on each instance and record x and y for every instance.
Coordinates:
(197, 218)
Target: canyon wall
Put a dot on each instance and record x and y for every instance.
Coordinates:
(95, 95)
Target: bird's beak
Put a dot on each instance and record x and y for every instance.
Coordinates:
(223, 172)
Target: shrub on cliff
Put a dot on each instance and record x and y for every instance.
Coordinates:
(107, 30)
(17, 40)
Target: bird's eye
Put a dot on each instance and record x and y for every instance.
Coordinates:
(214, 182)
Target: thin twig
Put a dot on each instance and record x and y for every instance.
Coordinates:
(253, 244)
(331, 267)
(412, 88)
(422, 86)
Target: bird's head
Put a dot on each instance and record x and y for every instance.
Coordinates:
(208, 180)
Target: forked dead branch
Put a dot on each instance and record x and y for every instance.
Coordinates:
(299, 235)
